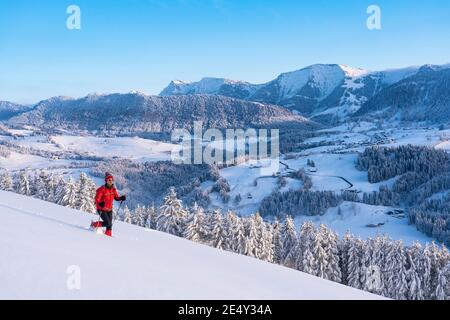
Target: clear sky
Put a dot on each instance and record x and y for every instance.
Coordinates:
(143, 44)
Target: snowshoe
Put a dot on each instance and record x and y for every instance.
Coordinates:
(96, 226)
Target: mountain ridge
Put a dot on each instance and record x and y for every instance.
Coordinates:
(316, 91)
(140, 113)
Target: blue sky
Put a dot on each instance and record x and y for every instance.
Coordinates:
(143, 44)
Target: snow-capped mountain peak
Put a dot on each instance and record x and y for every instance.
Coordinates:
(353, 72)
(321, 77)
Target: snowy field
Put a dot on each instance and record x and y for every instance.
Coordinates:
(45, 248)
(356, 217)
(123, 147)
(18, 161)
(133, 148)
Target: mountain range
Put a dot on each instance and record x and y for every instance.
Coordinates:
(136, 113)
(323, 93)
(330, 91)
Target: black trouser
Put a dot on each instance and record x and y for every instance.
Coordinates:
(107, 219)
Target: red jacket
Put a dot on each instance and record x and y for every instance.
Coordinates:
(107, 196)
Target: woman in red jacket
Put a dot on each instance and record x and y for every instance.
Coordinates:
(104, 199)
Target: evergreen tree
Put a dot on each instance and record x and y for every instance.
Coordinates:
(305, 254)
(443, 284)
(251, 246)
(60, 192)
(318, 267)
(344, 247)
(151, 217)
(239, 240)
(228, 223)
(354, 262)
(217, 233)
(127, 218)
(86, 194)
(42, 185)
(331, 247)
(6, 182)
(172, 215)
(195, 228)
(51, 184)
(277, 244)
(24, 184)
(395, 272)
(138, 216)
(267, 253)
(289, 241)
(416, 288)
(70, 194)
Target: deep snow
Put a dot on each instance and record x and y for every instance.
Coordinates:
(40, 241)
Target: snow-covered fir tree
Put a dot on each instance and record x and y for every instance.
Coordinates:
(251, 245)
(258, 237)
(139, 216)
(305, 255)
(6, 181)
(344, 247)
(23, 185)
(395, 272)
(331, 247)
(152, 213)
(218, 236)
(86, 194)
(52, 182)
(417, 289)
(60, 191)
(172, 215)
(354, 262)
(319, 266)
(70, 194)
(238, 238)
(289, 243)
(41, 185)
(127, 217)
(443, 284)
(228, 222)
(265, 243)
(195, 227)
(277, 244)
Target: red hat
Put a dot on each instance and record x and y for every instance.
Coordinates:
(108, 176)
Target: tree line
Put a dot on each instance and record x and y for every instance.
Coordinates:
(378, 265)
(79, 194)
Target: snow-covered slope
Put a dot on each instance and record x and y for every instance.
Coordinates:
(43, 246)
(9, 109)
(124, 147)
(236, 89)
(423, 96)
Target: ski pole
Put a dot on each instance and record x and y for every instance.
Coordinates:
(118, 210)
